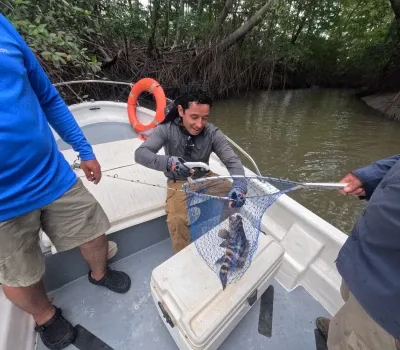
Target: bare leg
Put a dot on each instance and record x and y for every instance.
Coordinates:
(33, 300)
(95, 254)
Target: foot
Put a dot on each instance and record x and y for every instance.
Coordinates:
(56, 333)
(322, 324)
(116, 281)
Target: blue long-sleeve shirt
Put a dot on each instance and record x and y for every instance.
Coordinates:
(369, 261)
(33, 173)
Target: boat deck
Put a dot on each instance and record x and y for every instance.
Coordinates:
(137, 215)
(131, 321)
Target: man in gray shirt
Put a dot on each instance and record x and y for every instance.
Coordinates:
(187, 136)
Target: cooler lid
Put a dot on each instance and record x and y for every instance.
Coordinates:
(193, 295)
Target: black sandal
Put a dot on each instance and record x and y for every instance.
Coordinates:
(116, 281)
(57, 333)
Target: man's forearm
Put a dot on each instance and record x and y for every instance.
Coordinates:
(62, 121)
(149, 159)
(146, 154)
(377, 170)
(373, 174)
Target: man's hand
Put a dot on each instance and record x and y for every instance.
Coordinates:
(354, 186)
(237, 197)
(178, 169)
(92, 170)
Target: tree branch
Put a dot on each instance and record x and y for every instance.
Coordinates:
(220, 20)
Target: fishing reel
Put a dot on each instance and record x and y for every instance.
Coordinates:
(76, 164)
(199, 169)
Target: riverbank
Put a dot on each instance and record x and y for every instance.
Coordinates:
(386, 103)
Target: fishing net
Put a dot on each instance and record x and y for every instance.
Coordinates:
(225, 236)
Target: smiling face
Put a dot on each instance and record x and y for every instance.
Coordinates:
(195, 117)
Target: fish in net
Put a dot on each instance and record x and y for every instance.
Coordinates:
(226, 237)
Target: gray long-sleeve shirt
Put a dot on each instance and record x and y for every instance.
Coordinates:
(174, 140)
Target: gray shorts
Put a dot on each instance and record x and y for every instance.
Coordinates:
(70, 221)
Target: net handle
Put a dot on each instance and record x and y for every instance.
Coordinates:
(323, 185)
(204, 179)
(209, 196)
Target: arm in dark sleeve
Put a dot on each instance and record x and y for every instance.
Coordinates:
(373, 174)
(147, 155)
(56, 111)
(224, 151)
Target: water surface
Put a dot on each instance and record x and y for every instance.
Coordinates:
(310, 135)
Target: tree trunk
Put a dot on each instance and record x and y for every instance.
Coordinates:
(179, 20)
(154, 17)
(271, 74)
(126, 47)
(96, 9)
(244, 29)
(206, 56)
(299, 29)
(235, 14)
(198, 22)
(307, 16)
(270, 35)
(221, 18)
(131, 7)
(299, 9)
(396, 10)
(166, 26)
(199, 7)
(310, 21)
(134, 8)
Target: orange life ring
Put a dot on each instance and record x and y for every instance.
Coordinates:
(152, 86)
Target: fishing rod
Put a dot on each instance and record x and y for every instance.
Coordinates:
(196, 167)
(203, 168)
(116, 176)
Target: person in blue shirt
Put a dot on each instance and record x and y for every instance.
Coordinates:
(38, 189)
(369, 263)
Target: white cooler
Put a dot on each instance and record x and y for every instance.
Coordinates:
(192, 304)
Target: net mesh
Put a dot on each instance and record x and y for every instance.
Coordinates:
(227, 237)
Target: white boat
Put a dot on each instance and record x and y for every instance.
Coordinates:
(305, 279)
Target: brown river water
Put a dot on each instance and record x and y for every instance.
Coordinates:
(314, 135)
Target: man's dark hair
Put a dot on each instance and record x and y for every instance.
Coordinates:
(191, 95)
(197, 96)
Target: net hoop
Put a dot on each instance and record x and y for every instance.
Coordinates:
(226, 237)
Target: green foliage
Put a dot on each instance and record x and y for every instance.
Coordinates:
(54, 31)
(328, 40)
